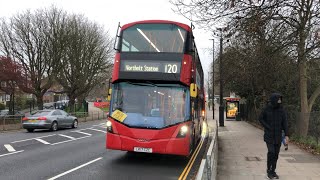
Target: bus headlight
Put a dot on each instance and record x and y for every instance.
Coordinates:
(203, 113)
(109, 126)
(183, 131)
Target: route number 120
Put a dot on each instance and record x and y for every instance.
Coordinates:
(171, 68)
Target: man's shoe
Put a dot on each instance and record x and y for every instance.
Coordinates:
(275, 175)
(269, 175)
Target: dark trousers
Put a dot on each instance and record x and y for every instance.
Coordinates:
(273, 154)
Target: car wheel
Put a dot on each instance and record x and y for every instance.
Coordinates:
(30, 130)
(75, 124)
(54, 126)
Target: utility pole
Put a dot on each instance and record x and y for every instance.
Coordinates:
(221, 107)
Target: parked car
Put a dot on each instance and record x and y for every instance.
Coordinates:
(60, 105)
(49, 119)
(48, 105)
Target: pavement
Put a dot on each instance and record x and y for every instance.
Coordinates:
(242, 155)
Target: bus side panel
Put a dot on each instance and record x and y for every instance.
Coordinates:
(116, 68)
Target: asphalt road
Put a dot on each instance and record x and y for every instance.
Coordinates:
(80, 154)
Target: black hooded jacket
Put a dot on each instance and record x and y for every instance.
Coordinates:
(274, 119)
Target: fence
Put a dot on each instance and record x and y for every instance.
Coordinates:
(294, 123)
(14, 122)
(208, 166)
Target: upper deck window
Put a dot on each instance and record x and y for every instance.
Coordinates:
(153, 38)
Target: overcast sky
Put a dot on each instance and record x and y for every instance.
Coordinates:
(109, 13)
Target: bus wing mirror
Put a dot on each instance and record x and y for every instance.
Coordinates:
(109, 94)
(109, 90)
(193, 90)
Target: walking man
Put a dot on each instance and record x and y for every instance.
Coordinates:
(274, 119)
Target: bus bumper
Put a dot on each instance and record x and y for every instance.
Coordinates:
(176, 146)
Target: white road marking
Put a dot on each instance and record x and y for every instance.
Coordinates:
(97, 130)
(82, 133)
(42, 141)
(69, 140)
(101, 125)
(9, 148)
(32, 138)
(74, 169)
(72, 138)
(11, 153)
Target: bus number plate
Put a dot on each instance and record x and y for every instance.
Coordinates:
(141, 149)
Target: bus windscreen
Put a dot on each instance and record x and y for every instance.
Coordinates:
(151, 105)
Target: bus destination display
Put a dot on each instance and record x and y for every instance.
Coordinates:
(144, 66)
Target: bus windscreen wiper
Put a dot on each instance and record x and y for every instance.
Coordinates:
(142, 84)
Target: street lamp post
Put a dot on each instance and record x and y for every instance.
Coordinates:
(221, 107)
(212, 97)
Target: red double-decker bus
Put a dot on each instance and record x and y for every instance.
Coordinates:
(157, 97)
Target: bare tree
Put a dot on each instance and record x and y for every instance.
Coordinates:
(30, 38)
(86, 59)
(301, 18)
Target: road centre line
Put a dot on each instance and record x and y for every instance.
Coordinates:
(42, 141)
(69, 140)
(97, 130)
(72, 138)
(189, 168)
(82, 133)
(9, 148)
(74, 169)
(11, 153)
(32, 138)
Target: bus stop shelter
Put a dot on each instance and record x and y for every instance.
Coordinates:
(233, 108)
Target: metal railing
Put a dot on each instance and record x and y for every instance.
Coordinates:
(14, 122)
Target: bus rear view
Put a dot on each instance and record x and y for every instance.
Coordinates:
(157, 90)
